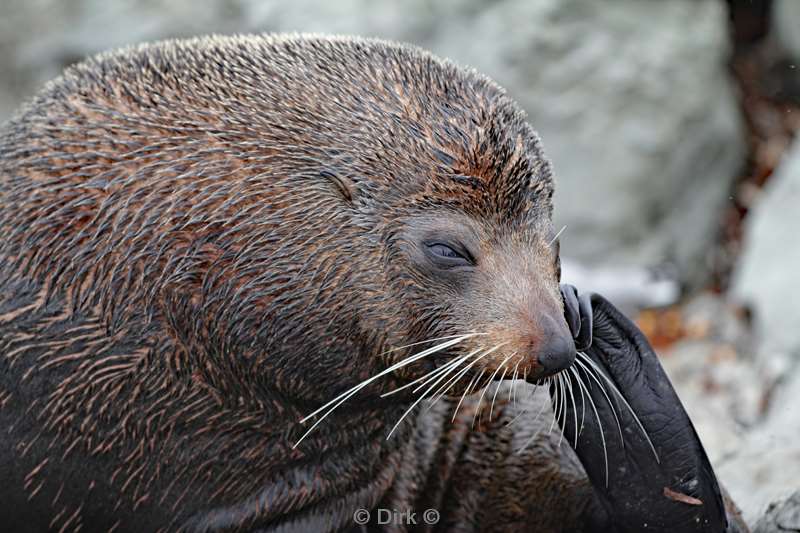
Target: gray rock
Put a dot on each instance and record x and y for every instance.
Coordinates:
(635, 109)
(718, 396)
(630, 288)
(786, 20)
(766, 465)
(714, 376)
(632, 98)
(767, 275)
(781, 517)
(744, 408)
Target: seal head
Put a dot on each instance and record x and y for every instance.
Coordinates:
(290, 209)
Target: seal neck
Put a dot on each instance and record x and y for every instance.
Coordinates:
(346, 463)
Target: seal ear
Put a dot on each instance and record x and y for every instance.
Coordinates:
(345, 186)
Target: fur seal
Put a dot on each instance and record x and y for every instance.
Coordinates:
(203, 242)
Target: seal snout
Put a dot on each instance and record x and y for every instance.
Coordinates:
(555, 350)
(557, 354)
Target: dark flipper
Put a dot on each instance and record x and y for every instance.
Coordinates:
(678, 492)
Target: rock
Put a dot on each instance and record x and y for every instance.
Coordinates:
(781, 517)
(767, 275)
(635, 108)
(714, 376)
(786, 20)
(766, 465)
(743, 407)
(718, 396)
(632, 100)
(631, 288)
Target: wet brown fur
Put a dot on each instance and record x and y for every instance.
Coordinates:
(202, 241)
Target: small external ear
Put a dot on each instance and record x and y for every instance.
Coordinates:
(344, 185)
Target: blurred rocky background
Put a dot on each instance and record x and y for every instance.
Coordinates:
(670, 124)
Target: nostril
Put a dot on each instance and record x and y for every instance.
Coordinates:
(556, 355)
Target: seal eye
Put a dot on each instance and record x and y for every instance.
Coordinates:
(447, 256)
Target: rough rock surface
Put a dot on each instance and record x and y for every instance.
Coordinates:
(635, 110)
(713, 374)
(766, 464)
(781, 517)
(632, 99)
(786, 19)
(767, 274)
(743, 406)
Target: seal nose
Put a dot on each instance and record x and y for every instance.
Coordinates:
(557, 354)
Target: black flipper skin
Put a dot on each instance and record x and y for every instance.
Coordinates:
(667, 487)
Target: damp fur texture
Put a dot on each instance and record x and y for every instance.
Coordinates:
(202, 240)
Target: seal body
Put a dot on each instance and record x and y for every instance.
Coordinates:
(203, 241)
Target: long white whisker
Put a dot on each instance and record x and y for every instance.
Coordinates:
(469, 386)
(426, 341)
(514, 383)
(392, 368)
(592, 375)
(481, 357)
(583, 401)
(343, 397)
(563, 414)
(554, 239)
(425, 394)
(426, 378)
(497, 388)
(535, 419)
(524, 409)
(625, 402)
(460, 373)
(483, 392)
(554, 401)
(455, 362)
(600, 425)
(568, 383)
(444, 369)
(479, 379)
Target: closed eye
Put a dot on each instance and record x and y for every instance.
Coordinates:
(447, 256)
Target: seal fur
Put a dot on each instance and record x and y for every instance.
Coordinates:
(202, 241)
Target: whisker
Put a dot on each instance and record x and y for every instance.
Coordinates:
(427, 377)
(463, 371)
(568, 383)
(392, 368)
(491, 378)
(425, 394)
(514, 383)
(562, 421)
(524, 411)
(535, 419)
(497, 388)
(446, 368)
(426, 341)
(554, 239)
(554, 401)
(583, 401)
(455, 412)
(343, 397)
(599, 424)
(608, 399)
(625, 402)
(479, 378)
